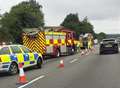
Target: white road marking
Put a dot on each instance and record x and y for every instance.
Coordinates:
(73, 60)
(40, 77)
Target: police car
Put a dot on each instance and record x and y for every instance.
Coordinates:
(109, 45)
(12, 55)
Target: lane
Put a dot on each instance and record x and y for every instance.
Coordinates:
(62, 77)
(34, 80)
(94, 71)
(72, 61)
(49, 66)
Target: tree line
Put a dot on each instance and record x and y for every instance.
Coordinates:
(29, 14)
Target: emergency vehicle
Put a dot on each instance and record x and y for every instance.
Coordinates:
(12, 55)
(90, 41)
(49, 43)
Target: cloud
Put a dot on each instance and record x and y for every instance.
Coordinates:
(5, 5)
(94, 9)
(104, 14)
(107, 26)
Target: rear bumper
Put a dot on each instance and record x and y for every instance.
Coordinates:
(109, 49)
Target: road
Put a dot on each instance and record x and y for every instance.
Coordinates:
(88, 71)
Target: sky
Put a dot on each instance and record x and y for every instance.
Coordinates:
(103, 14)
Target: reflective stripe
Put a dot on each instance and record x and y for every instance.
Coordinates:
(55, 41)
(13, 58)
(47, 42)
(26, 62)
(26, 57)
(35, 55)
(36, 44)
(31, 57)
(5, 58)
(20, 58)
(32, 62)
(63, 41)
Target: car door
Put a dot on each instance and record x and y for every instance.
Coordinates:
(28, 56)
(17, 54)
(5, 55)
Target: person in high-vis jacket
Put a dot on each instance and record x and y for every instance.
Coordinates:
(90, 42)
(82, 48)
(78, 46)
(81, 42)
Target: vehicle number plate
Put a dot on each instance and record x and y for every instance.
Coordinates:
(108, 45)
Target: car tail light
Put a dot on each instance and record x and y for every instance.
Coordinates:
(102, 45)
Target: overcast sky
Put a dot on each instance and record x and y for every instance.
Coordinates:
(103, 14)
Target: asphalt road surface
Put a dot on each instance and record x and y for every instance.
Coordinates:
(88, 71)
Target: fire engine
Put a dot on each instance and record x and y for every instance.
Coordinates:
(50, 43)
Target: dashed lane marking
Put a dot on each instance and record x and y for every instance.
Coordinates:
(73, 60)
(36, 79)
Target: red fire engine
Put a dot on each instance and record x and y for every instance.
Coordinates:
(50, 43)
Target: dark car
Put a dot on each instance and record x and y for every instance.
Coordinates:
(109, 46)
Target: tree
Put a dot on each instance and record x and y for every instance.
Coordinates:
(80, 27)
(72, 21)
(5, 36)
(86, 27)
(27, 14)
(101, 36)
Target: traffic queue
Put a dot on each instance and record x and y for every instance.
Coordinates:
(37, 44)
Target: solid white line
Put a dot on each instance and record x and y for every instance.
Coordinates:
(40, 77)
(73, 60)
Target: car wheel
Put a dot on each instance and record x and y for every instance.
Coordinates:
(13, 69)
(101, 52)
(117, 51)
(39, 63)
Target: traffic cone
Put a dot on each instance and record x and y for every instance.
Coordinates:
(82, 53)
(61, 65)
(22, 76)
